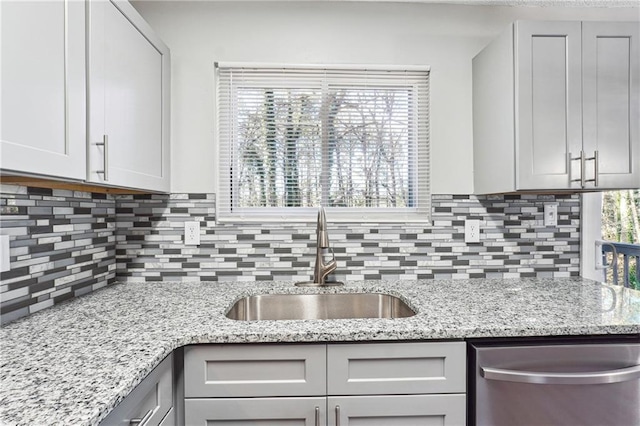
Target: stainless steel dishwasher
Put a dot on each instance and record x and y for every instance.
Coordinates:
(559, 384)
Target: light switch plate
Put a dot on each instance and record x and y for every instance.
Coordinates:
(551, 214)
(192, 233)
(5, 258)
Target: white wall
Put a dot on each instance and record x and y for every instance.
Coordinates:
(446, 37)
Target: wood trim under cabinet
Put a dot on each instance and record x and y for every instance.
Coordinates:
(71, 186)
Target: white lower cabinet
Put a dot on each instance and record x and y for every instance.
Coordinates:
(169, 418)
(233, 371)
(317, 384)
(396, 368)
(150, 403)
(255, 411)
(396, 410)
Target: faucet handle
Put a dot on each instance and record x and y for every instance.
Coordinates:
(332, 264)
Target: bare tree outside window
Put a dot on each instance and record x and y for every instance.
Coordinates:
(291, 139)
(284, 160)
(277, 163)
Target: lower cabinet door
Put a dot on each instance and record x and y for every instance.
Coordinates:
(149, 403)
(255, 411)
(232, 371)
(396, 368)
(397, 410)
(169, 419)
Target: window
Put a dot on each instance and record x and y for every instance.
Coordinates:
(294, 138)
(621, 228)
(612, 217)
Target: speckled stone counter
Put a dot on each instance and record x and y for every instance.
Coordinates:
(71, 364)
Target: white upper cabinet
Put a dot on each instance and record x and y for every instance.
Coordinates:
(611, 102)
(548, 103)
(556, 108)
(64, 58)
(42, 124)
(129, 85)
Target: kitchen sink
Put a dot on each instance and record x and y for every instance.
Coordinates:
(319, 306)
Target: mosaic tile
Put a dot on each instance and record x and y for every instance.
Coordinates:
(510, 241)
(61, 246)
(66, 243)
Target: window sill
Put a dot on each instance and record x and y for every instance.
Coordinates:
(309, 216)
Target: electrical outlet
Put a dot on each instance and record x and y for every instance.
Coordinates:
(471, 231)
(551, 214)
(192, 233)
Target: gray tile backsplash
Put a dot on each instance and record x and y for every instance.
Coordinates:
(65, 243)
(62, 245)
(514, 243)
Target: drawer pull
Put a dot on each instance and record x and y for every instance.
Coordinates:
(317, 416)
(141, 421)
(337, 415)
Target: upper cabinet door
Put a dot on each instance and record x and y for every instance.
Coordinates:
(42, 124)
(128, 99)
(611, 110)
(548, 104)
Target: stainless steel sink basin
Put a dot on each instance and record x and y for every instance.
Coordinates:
(319, 306)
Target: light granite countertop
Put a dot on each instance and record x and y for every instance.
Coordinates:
(71, 364)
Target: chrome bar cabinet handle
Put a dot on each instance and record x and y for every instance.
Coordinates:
(141, 421)
(337, 415)
(582, 164)
(105, 144)
(317, 416)
(549, 378)
(596, 162)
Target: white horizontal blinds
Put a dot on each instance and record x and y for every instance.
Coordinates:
(421, 141)
(342, 138)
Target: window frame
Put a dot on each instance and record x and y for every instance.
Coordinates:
(422, 192)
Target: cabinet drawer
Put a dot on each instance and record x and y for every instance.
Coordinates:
(397, 410)
(396, 368)
(256, 411)
(254, 370)
(150, 401)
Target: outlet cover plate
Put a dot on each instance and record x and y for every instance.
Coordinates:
(471, 231)
(192, 233)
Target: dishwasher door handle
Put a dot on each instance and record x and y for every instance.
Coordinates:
(549, 378)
